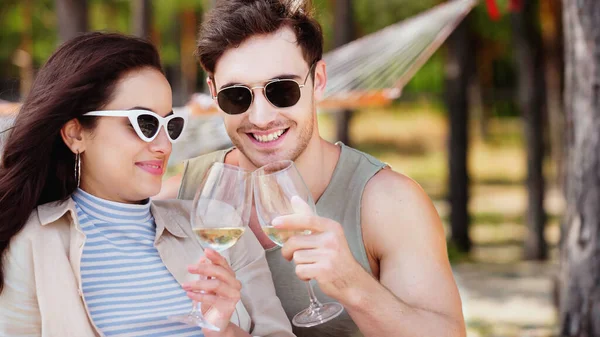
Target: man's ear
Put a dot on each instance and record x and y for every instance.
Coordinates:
(73, 136)
(320, 80)
(211, 86)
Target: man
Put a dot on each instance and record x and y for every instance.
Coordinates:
(378, 246)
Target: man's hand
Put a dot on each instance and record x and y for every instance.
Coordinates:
(323, 255)
(221, 290)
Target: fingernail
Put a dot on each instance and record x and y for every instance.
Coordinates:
(276, 222)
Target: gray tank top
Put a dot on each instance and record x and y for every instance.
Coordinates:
(341, 202)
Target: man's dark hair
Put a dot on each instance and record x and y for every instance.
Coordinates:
(232, 22)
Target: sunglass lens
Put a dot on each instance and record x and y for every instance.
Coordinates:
(148, 125)
(283, 94)
(175, 127)
(234, 100)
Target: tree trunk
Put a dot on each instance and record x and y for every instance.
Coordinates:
(580, 245)
(551, 18)
(174, 71)
(210, 4)
(72, 18)
(189, 65)
(343, 33)
(23, 57)
(141, 18)
(532, 101)
(480, 102)
(458, 73)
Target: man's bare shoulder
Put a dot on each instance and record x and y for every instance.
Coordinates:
(402, 230)
(390, 188)
(396, 209)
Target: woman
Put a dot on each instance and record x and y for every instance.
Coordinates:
(84, 252)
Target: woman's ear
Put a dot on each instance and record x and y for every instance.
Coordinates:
(73, 136)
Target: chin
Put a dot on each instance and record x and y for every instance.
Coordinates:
(149, 190)
(266, 158)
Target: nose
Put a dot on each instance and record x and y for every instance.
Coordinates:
(261, 112)
(161, 143)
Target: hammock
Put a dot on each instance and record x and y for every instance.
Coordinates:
(373, 70)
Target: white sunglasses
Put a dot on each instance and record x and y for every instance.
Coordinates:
(147, 124)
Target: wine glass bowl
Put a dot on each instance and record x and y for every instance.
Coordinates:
(217, 224)
(275, 186)
(219, 217)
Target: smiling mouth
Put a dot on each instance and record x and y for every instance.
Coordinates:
(273, 136)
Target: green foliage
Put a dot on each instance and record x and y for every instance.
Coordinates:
(111, 15)
(373, 15)
(42, 30)
(484, 28)
(455, 255)
(429, 78)
(370, 16)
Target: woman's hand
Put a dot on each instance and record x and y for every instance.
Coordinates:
(218, 290)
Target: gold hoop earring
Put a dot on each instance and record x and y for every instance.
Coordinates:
(78, 168)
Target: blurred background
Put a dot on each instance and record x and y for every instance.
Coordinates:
(466, 100)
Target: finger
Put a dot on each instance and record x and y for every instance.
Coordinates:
(214, 287)
(306, 256)
(205, 299)
(301, 242)
(216, 258)
(300, 222)
(215, 271)
(306, 272)
(202, 260)
(300, 206)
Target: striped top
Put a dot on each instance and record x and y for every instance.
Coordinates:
(126, 286)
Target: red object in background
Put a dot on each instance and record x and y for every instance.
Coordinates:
(515, 5)
(493, 10)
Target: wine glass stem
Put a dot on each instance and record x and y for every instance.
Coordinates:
(315, 305)
(196, 308)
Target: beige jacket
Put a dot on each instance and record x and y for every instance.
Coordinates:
(42, 294)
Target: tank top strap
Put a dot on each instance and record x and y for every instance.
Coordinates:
(194, 171)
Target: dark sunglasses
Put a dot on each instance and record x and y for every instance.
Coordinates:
(147, 123)
(281, 93)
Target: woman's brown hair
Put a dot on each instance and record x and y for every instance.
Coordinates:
(36, 166)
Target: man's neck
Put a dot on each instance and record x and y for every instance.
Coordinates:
(316, 165)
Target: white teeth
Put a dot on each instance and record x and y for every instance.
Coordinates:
(268, 138)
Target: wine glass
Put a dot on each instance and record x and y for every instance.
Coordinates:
(275, 185)
(220, 214)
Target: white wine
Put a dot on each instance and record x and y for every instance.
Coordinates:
(219, 239)
(280, 236)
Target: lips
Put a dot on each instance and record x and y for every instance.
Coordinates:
(155, 167)
(266, 137)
